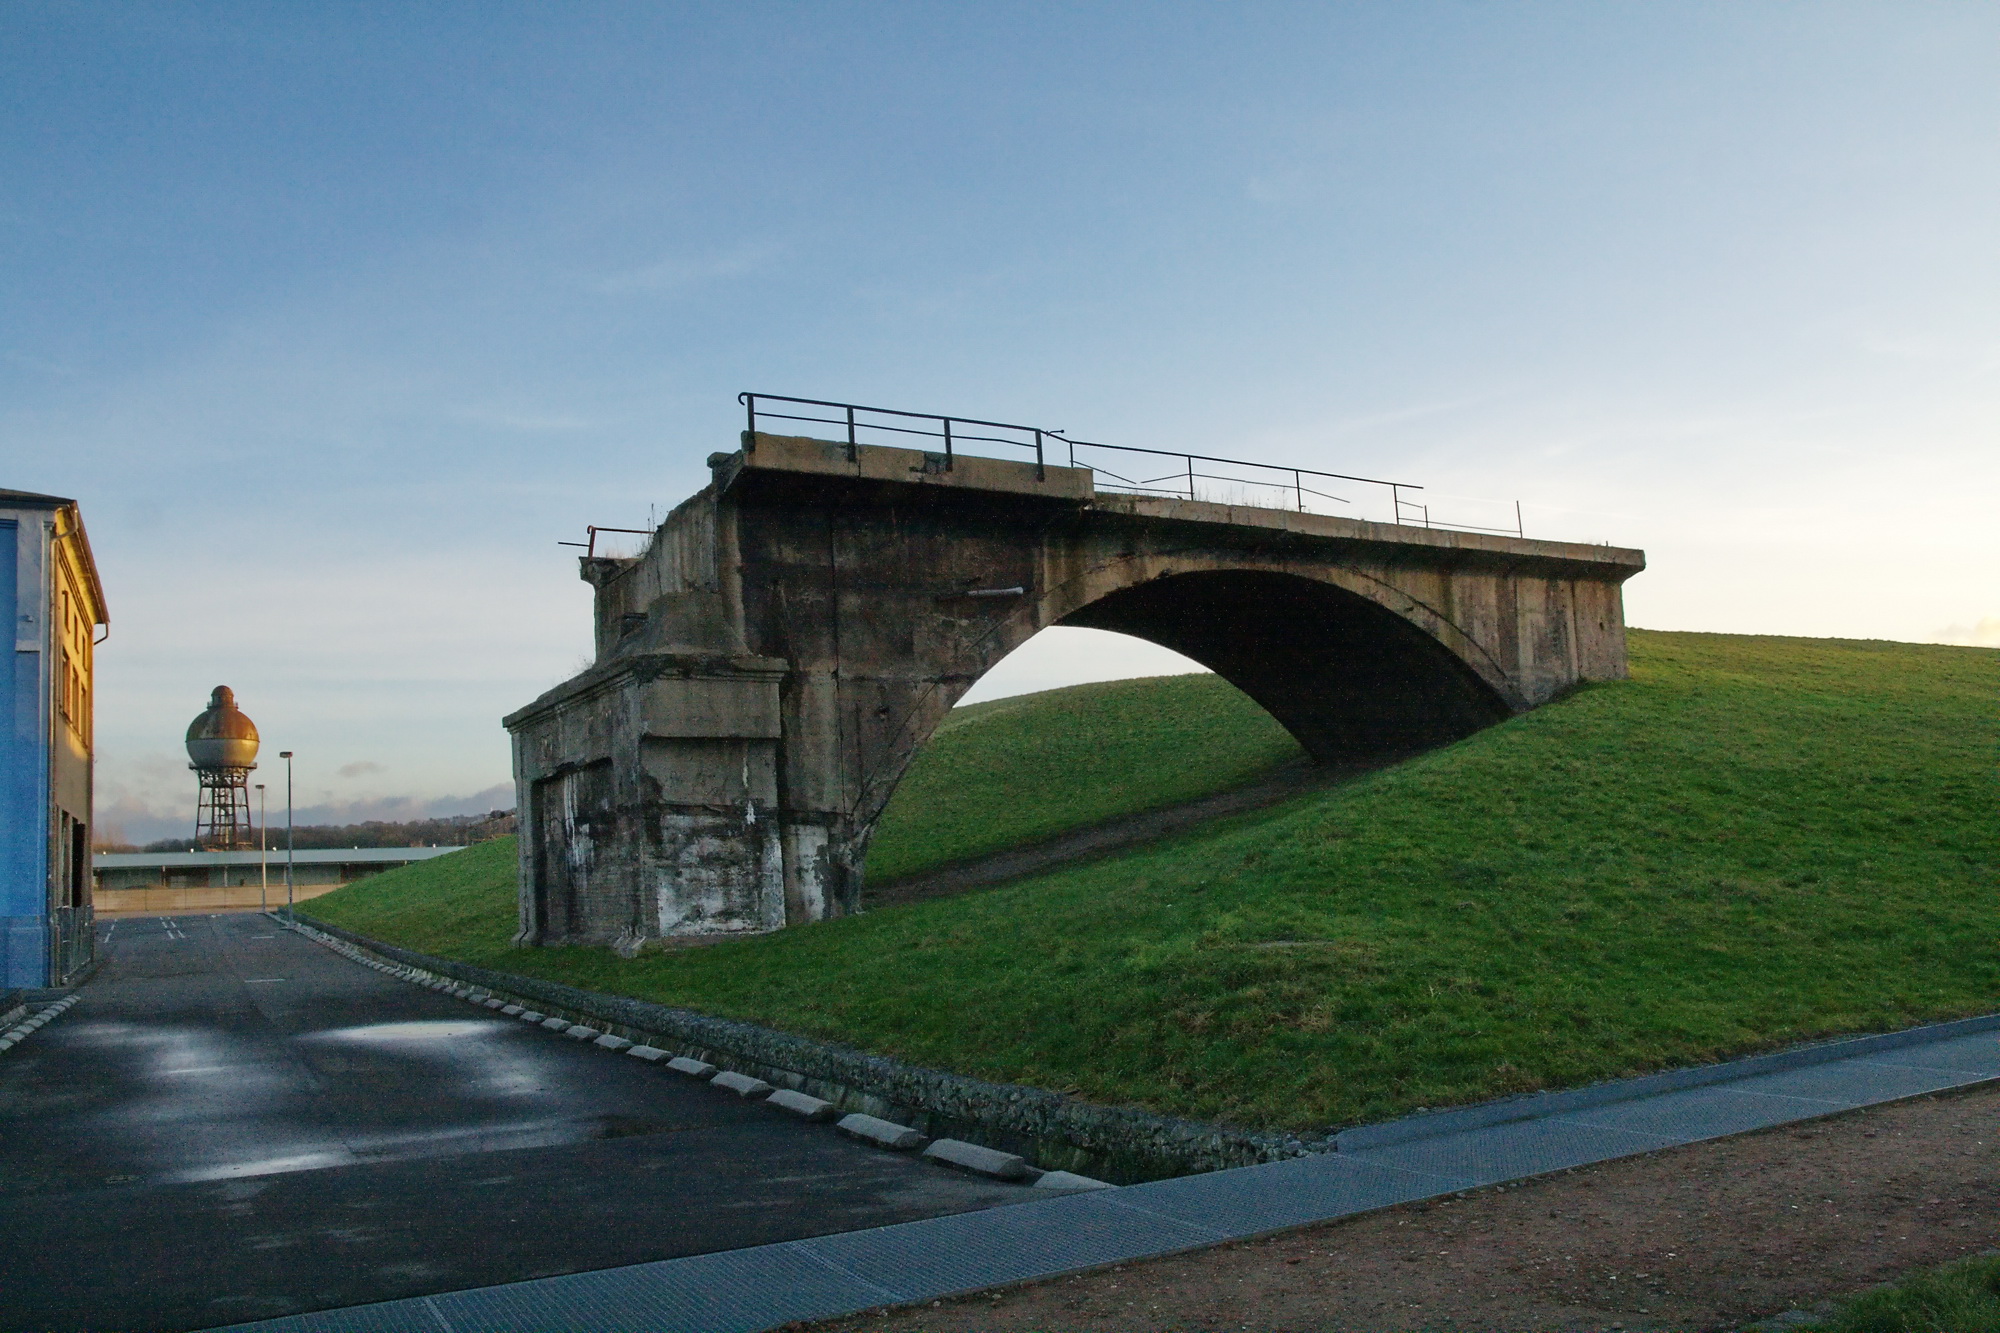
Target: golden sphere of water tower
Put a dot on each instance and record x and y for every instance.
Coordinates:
(222, 737)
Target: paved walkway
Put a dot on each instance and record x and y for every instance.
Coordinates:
(744, 1290)
(233, 1122)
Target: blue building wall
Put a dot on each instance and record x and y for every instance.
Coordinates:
(24, 775)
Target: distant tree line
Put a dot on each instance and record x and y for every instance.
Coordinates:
(451, 831)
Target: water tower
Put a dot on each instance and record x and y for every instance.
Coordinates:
(223, 745)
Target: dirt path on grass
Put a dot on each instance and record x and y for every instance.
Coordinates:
(1113, 835)
(1709, 1236)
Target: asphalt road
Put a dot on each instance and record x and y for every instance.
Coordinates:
(236, 1123)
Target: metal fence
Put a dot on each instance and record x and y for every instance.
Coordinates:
(73, 942)
(1122, 468)
(590, 545)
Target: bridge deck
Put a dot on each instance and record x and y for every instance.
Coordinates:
(775, 456)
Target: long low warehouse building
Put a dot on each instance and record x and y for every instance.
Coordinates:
(146, 883)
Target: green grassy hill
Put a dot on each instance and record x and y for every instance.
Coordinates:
(1013, 771)
(1753, 842)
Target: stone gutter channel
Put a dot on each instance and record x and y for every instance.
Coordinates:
(871, 1129)
(1080, 1144)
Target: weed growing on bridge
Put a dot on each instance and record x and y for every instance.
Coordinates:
(1755, 841)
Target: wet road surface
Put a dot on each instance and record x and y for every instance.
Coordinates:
(236, 1123)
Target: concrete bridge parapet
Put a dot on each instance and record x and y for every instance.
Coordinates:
(767, 668)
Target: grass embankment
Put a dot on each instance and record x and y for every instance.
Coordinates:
(1961, 1297)
(1014, 771)
(1753, 842)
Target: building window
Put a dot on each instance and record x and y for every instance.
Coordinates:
(79, 862)
(65, 853)
(73, 639)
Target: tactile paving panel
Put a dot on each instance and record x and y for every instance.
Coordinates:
(1858, 1082)
(1978, 1053)
(942, 1255)
(736, 1291)
(415, 1315)
(1505, 1152)
(1701, 1113)
(1254, 1199)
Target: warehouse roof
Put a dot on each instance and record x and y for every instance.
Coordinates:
(315, 856)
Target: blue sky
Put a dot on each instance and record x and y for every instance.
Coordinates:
(337, 317)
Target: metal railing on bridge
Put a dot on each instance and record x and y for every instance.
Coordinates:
(591, 530)
(1190, 476)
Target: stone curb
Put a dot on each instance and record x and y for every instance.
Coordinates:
(866, 1128)
(741, 1084)
(881, 1133)
(801, 1105)
(979, 1161)
(35, 1022)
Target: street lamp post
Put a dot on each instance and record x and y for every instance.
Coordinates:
(286, 755)
(263, 855)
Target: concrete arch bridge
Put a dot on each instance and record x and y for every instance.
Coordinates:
(770, 664)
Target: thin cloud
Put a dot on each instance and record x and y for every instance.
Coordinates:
(678, 272)
(39, 364)
(530, 423)
(1984, 634)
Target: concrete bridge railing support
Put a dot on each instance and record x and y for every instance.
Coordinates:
(768, 667)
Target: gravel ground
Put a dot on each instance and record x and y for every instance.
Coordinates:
(1710, 1236)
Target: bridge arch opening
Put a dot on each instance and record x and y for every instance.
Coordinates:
(1354, 684)
(1353, 681)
